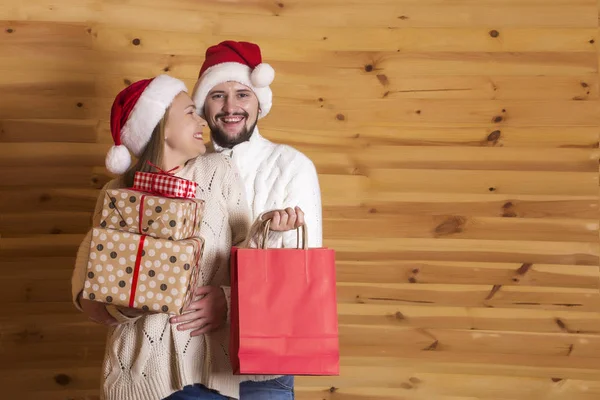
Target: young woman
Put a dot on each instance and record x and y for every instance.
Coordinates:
(153, 355)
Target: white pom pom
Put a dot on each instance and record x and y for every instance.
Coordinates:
(262, 75)
(118, 159)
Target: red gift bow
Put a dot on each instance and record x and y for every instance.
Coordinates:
(162, 171)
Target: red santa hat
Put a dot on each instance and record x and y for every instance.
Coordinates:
(238, 62)
(136, 111)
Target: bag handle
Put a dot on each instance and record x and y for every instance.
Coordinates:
(267, 225)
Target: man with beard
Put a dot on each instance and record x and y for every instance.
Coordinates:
(232, 94)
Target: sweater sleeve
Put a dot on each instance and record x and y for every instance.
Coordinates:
(304, 191)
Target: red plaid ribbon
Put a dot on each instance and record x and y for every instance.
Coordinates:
(164, 185)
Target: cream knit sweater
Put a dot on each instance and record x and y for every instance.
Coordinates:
(146, 357)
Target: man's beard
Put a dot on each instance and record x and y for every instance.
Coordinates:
(221, 138)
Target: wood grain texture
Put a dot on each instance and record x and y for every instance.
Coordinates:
(457, 150)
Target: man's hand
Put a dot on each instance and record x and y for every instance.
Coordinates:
(96, 311)
(206, 313)
(285, 220)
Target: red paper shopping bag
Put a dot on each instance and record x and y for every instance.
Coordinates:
(284, 312)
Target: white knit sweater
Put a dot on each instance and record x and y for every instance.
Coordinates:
(146, 357)
(277, 176)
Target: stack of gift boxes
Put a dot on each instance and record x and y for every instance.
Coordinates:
(145, 254)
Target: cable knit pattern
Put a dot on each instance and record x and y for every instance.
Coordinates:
(147, 357)
(277, 176)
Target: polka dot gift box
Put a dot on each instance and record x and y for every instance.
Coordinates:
(139, 271)
(160, 217)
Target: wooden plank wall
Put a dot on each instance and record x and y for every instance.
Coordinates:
(457, 146)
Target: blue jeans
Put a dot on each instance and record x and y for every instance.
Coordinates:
(276, 389)
(196, 392)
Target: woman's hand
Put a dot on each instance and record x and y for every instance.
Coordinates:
(208, 311)
(285, 220)
(131, 312)
(96, 311)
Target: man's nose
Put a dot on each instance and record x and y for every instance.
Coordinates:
(229, 105)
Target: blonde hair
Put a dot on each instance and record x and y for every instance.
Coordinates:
(153, 152)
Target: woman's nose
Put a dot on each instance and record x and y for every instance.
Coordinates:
(201, 121)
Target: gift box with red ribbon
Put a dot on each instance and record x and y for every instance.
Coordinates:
(160, 217)
(164, 184)
(142, 272)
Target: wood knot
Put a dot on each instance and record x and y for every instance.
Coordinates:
(136, 42)
(412, 279)
(126, 81)
(492, 189)
(340, 117)
(399, 316)
(10, 30)
(280, 5)
(450, 226)
(415, 271)
(592, 41)
(494, 136)
(333, 389)
(403, 17)
(79, 104)
(584, 84)
(524, 268)
(418, 112)
(62, 379)
(372, 210)
(556, 379)
(44, 197)
(414, 380)
(405, 385)
(369, 67)
(321, 99)
(508, 210)
(494, 33)
(497, 119)
(493, 292)
(432, 346)
(561, 325)
(383, 79)
(324, 37)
